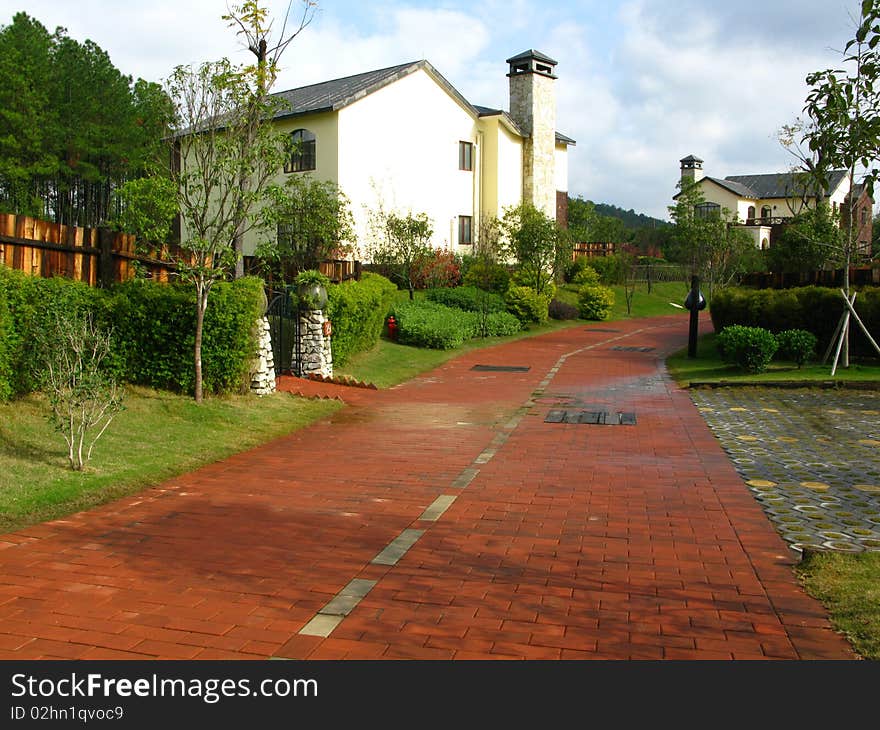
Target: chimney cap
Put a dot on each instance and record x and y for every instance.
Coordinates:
(691, 161)
(532, 54)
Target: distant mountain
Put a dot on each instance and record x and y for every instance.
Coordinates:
(630, 218)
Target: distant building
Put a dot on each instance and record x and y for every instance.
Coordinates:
(764, 204)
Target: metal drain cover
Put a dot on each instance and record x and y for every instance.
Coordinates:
(622, 348)
(501, 368)
(593, 418)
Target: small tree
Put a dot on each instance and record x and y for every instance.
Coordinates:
(82, 396)
(400, 244)
(812, 239)
(312, 222)
(534, 241)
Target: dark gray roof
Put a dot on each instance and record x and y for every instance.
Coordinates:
(531, 53)
(560, 137)
(734, 187)
(690, 158)
(338, 93)
(781, 184)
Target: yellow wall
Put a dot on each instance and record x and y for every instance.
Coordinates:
(398, 148)
(562, 168)
(503, 167)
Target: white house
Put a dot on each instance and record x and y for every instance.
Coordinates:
(405, 139)
(763, 204)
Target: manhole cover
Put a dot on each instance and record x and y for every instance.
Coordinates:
(501, 368)
(622, 348)
(593, 418)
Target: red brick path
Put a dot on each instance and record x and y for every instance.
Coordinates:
(564, 541)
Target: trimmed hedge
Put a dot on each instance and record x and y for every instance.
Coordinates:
(357, 310)
(153, 328)
(432, 325)
(468, 298)
(527, 305)
(796, 345)
(814, 309)
(487, 275)
(595, 301)
(750, 348)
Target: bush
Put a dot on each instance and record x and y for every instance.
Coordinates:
(575, 267)
(815, 309)
(357, 310)
(609, 268)
(487, 275)
(527, 305)
(432, 325)
(796, 345)
(500, 324)
(437, 269)
(750, 348)
(468, 298)
(562, 310)
(595, 301)
(526, 277)
(587, 275)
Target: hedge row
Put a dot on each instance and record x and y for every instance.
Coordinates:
(433, 325)
(153, 329)
(815, 309)
(468, 298)
(357, 310)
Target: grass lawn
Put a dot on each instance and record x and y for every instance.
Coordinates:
(157, 436)
(849, 587)
(657, 303)
(708, 367)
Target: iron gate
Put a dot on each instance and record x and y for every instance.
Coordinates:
(284, 325)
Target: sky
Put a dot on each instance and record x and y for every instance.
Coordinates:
(641, 83)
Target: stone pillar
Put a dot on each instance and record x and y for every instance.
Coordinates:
(317, 355)
(263, 369)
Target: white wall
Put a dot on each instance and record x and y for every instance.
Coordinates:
(398, 148)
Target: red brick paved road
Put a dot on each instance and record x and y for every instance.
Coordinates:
(562, 541)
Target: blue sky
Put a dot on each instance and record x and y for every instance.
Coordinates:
(642, 83)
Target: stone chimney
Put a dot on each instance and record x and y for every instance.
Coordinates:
(533, 108)
(691, 169)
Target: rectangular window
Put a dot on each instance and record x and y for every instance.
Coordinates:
(465, 156)
(465, 230)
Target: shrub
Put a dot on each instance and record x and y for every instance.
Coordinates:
(572, 270)
(750, 348)
(527, 305)
(428, 324)
(595, 301)
(796, 345)
(487, 275)
(500, 324)
(468, 298)
(357, 310)
(437, 269)
(609, 268)
(526, 277)
(562, 310)
(586, 275)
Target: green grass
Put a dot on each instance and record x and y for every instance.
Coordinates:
(849, 587)
(654, 304)
(708, 367)
(157, 436)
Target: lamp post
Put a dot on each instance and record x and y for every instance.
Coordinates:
(694, 302)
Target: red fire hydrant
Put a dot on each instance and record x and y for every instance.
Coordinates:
(392, 328)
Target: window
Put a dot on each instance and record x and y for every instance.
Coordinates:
(766, 212)
(465, 230)
(864, 216)
(751, 214)
(303, 156)
(707, 210)
(465, 156)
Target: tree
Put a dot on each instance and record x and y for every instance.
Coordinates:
(401, 244)
(255, 26)
(705, 237)
(808, 242)
(842, 127)
(536, 243)
(313, 222)
(216, 143)
(82, 396)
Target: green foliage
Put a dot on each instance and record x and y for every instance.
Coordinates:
(7, 340)
(749, 348)
(796, 345)
(400, 244)
(307, 221)
(468, 298)
(595, 301)
(147, 207)
(438, 268)
(586, 275)
(526, 276)
(490, 276)
(562, 310)
(432, 325)
(815, 309)
(357, 310)
(499, 324)
(535, 242)
(527, 305)
(609, 269)
(808, 242)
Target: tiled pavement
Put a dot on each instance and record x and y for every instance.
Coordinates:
(440, 519)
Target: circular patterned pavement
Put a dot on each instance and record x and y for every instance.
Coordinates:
(810, 458)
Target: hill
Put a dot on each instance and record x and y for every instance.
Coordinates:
(630, 218)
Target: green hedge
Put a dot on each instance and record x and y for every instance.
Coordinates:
(749, 348)
(153, 329)
(527, 305)
(357, 310)
(595, 301)
(432, 325)
(468, 298)
(814, 309)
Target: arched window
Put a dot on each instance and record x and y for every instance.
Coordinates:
(302, 157)
(766, 212)
(765, 244)
(751, 214)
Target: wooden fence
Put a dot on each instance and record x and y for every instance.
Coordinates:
(96, 256)
(593, 249)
